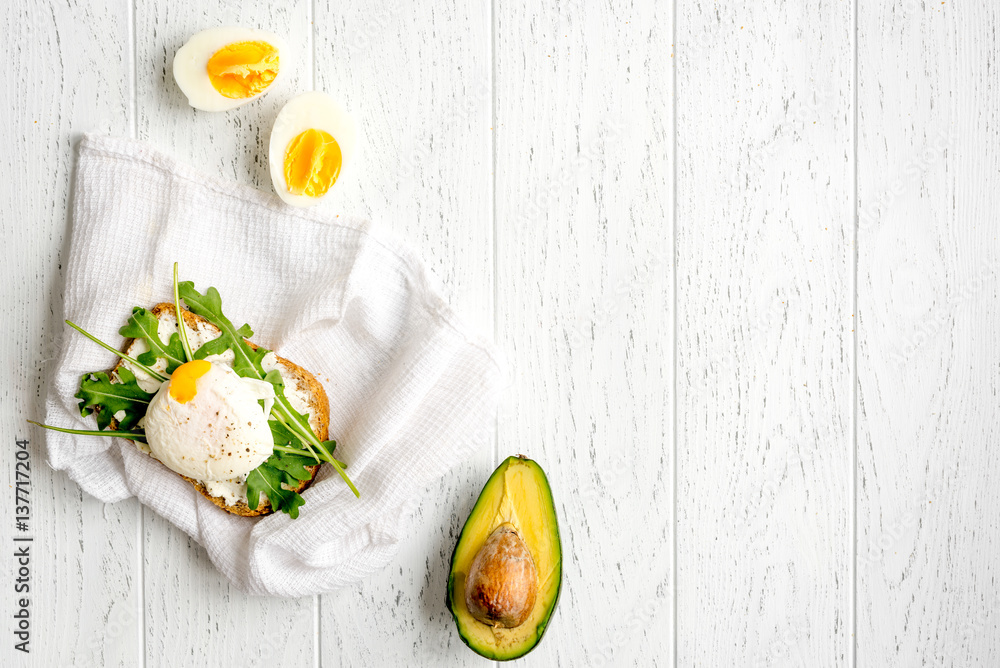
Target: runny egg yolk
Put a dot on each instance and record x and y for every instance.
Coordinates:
(182, 382)
(312, 163)
(243, 69)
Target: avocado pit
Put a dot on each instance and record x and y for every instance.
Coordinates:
(502, 583)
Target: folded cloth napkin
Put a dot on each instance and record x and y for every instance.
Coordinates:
(412, 392)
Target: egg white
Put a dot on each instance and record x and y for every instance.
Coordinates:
(191, 65)
(221, 433)
(310, 110)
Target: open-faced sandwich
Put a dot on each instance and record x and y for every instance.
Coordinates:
(247, 428)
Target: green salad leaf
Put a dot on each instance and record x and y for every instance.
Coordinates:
(209, 306)
(143, 325)
(289, 435)
(104, 397)
(284, 436)
(293, 465)
(247, 363)
(268, 478)
(296, 447)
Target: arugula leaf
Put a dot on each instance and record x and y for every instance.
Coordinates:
(296, 444)
(293, 465)
(247, 364)
(263, 479)
(267, 479)
(283, 435)
(132, 435)
(209, 306)
(181, 326)
(291, 504)
(144, 325)
(100, 395)
(274, 377)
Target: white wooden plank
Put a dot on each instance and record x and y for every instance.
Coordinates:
(928, 527)
(584, 309)
(67, 73)
(418, 80)
(193, 615)
(764, 349)
(584, 252)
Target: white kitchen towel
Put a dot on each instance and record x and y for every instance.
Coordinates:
(411, 391)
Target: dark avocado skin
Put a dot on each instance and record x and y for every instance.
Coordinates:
(450, 593)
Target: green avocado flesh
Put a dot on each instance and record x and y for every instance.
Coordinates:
(517, 493)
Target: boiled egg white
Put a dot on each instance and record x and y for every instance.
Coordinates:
(313, 141)
(222, 68)
(205, 422)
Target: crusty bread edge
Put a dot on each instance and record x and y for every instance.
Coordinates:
(319, 415)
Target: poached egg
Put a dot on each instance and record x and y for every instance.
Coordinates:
(206, 422)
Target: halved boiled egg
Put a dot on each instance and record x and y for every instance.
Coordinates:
(222, 68)
(312, 141)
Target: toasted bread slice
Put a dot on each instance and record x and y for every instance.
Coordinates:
(296, 379)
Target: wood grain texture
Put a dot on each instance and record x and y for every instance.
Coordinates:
(764, 317)
(526, 151)
(67, 73)
(192, 613)
(584, 308)
(928, 527)
(418, 80)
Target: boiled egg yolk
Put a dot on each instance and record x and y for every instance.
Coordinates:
(312, 163)
(182, 382)
(243, 69)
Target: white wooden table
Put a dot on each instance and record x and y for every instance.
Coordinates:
(743, 261)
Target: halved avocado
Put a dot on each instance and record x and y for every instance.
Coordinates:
(516, 498)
